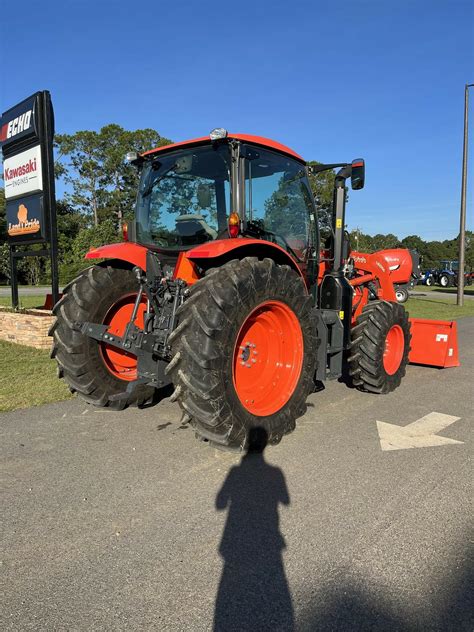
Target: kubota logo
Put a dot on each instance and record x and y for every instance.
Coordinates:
(24, 225)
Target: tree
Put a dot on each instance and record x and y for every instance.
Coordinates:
(82, 171)
(361, 242)
(4, 250)
(87, 238)
(5, 271)
(469, 255)
(322, 186)
(93, 163)
(413, 242)
(385, 242)
(3, 215)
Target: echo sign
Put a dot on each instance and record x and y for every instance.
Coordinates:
(22, 173)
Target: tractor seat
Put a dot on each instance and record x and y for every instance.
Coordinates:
(194, 227)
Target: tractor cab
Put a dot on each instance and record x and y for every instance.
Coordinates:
(224, 187)
(450, 266)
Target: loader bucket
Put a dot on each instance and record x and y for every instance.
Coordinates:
(434, 342)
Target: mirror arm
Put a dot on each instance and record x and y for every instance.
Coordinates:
(344, 173)
(313, 169)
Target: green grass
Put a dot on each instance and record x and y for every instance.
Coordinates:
(438, 308)
(26, 302)
(28, 378)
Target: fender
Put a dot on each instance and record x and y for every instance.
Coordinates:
(220, 251)
(126, 251)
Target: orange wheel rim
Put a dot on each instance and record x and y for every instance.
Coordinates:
(268, 358)
(121, 363)
(394, 347)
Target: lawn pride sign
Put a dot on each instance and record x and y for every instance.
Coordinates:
(22, 173)
(23, 219)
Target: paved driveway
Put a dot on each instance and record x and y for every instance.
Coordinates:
(123, 521)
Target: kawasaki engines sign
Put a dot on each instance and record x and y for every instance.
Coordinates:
(26, 135)
(22, 173)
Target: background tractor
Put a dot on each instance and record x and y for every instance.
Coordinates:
(222, 290)
(447, 274)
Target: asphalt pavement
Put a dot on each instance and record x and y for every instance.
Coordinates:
(124, 521)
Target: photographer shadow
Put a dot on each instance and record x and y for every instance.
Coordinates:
(253, 592)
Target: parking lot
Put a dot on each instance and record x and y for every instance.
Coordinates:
(123, 521)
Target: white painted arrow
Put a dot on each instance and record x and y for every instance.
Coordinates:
(419, 434)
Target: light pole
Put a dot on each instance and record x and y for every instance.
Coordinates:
(462, 225)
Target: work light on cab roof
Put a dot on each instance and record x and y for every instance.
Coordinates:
(131, 156)
(218, 133)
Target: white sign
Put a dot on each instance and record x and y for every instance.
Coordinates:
(22, 173)
(421, 433)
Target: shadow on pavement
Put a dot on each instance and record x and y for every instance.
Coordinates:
(253, 592)
(468, 291)
(351, 608)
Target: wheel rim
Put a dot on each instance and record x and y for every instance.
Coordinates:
(268, 358)
(444, 281)
(121, 364)
(394, 347)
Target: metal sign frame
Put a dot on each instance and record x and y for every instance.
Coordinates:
(27, 125)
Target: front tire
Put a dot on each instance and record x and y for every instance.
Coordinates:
(244, 352)
(380, 347)
(401, 295)
(92, 369)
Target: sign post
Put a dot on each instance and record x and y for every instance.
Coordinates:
(26, 139)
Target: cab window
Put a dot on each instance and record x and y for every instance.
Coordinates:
(278, 200)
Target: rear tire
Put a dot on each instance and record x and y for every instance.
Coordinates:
(82, 361)
(445, 280)
(380, 347)
(221, 380)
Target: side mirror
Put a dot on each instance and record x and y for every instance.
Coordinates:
(358, 174)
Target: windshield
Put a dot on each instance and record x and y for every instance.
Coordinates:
(278, 199)
(184, 198)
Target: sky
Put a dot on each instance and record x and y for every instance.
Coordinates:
(376, 79)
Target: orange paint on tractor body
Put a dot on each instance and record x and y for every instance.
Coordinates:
(434, 342)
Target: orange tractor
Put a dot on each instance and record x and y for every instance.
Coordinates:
(222, 291)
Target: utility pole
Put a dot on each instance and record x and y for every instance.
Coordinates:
(462, 223)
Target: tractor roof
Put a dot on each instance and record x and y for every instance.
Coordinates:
(248, 138)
